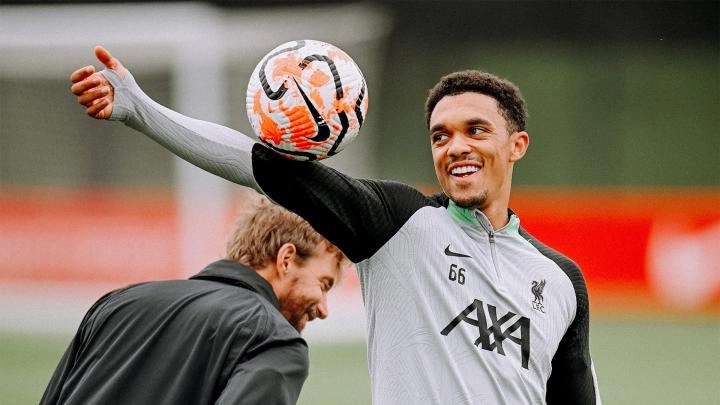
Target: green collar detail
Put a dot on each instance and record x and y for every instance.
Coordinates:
(462, 215)
(468, 216)
(513, 225)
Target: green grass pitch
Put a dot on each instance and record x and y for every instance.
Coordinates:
(638, 361)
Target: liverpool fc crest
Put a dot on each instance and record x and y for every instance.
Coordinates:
(537, 290)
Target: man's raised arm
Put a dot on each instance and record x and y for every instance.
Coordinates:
(113, 94)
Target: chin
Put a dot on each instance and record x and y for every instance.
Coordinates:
(298, 323)
(469, 200)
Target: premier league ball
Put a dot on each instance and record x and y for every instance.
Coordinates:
(307, 99)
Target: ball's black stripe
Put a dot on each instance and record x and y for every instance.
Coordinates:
(275, 94)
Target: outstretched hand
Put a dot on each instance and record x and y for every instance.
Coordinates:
(92, 89)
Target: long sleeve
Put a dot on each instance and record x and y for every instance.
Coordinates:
(55, 391)
(573, 379)
(217, 149)
(271, 376)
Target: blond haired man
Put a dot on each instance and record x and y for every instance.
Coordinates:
(228, 335)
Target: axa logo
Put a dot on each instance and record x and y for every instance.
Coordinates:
(494, 331)
(537, 290)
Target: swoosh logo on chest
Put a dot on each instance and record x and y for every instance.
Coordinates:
(449, 252)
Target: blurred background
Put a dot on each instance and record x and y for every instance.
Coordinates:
(623, 172)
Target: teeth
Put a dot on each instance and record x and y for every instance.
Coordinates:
(464, 170)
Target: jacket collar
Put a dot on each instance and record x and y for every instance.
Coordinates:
(473, 216)
(235, 273)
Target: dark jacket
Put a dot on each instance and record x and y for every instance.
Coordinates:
(218, 337)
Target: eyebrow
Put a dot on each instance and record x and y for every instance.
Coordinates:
(478, 121)
(468, 123)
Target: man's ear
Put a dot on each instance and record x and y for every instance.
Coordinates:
(520, 142)
(285, 256)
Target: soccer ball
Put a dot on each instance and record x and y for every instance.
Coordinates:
(307, 99)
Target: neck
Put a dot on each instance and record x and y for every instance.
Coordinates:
(496, 210)
(498, 216)
(269, 273)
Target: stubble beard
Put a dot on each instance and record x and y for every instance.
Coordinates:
(296, 318)
(473, 201)
(298, 322)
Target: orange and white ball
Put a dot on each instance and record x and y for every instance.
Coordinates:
(307, 99)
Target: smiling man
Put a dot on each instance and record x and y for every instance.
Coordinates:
(462, 305)
(474, 148)
(228, 335)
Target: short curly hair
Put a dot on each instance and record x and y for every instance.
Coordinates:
(511, 102)
(258, 234)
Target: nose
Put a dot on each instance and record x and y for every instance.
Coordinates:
(323, 308)
(458, 145)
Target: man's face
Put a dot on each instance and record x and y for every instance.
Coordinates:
(472, 150)
(306, 286)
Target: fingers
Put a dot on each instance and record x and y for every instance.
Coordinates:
(98, 100)
(94, 92)
(92, 89)
(109, 61)
(90, 96)
(100, 108)
(88, 83)
(82, 73)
